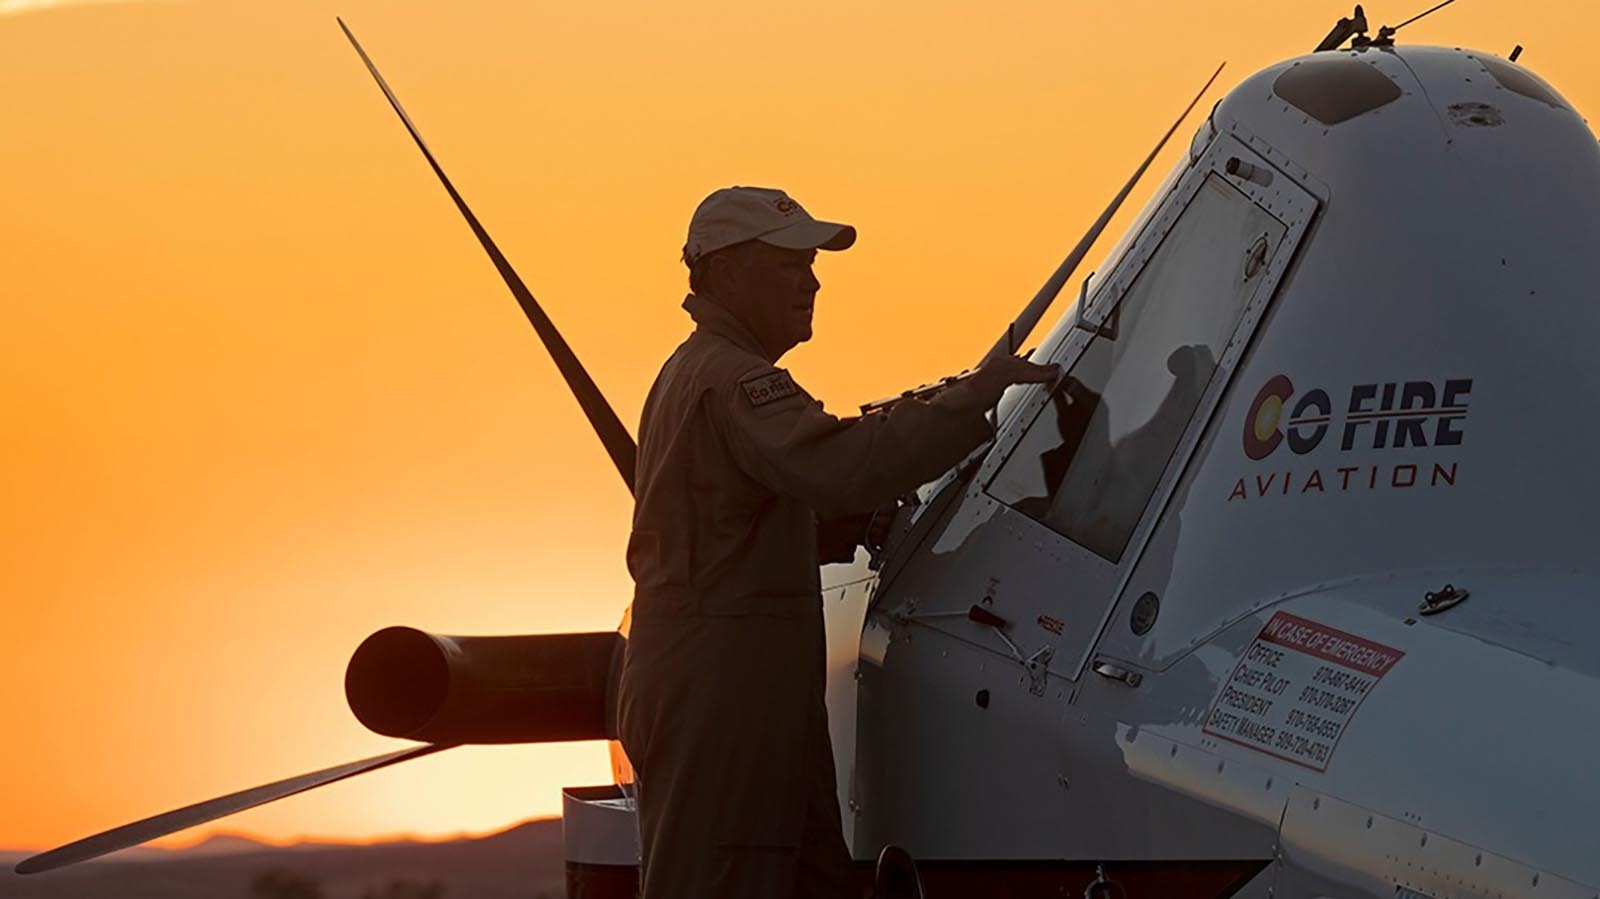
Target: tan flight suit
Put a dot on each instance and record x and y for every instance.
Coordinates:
(721, 702)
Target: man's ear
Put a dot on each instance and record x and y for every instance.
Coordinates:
(723, 274)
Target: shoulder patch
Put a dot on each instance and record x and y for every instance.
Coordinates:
(768, 387)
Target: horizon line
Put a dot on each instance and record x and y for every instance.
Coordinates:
(307, 840)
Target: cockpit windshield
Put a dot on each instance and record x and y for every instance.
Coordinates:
(1090, 461)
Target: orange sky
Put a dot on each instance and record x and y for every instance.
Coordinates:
(263, 394)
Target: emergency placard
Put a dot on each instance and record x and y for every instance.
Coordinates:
(1296, 688)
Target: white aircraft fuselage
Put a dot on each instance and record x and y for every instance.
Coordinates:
(1341, 363)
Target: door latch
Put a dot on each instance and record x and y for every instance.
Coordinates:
(1118, 673)
(1038, 667)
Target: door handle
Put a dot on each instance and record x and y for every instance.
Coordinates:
(1118, 673)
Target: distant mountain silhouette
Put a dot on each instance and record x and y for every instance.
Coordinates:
(216, 844)
(524, 862)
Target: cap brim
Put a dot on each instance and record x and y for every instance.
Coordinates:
(811, 235)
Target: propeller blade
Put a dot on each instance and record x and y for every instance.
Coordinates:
(618, 442)
(171, 822)
(1023, 325)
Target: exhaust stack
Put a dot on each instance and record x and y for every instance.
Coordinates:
(547, 688)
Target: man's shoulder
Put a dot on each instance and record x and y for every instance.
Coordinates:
(766, 386)
(735, 378)
(719, 363)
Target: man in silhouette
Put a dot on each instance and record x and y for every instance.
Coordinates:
(721, 705)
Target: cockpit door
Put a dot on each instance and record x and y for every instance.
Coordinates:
(1087, 466)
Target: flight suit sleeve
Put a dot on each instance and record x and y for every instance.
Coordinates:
(782, 437)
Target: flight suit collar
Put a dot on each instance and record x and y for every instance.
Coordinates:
(713, 319)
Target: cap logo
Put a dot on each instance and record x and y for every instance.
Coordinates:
(786, 206)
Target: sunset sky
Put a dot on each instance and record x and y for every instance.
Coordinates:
(263, 394)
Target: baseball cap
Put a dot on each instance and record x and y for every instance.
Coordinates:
(737, 214)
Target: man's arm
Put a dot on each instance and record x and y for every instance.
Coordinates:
(783, 438)
(837, 538)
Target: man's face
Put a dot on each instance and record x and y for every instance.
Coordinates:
(774, 292)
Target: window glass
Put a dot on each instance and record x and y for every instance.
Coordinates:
(1063, 328)
(1515, 78)
(1088, 464)
(1335, 88)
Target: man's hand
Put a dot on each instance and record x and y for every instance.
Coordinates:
(837, 538)
(880, 526)
(999, 372)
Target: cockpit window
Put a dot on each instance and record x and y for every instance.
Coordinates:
(1090, 461)
(1333, 89)
(1515, 78)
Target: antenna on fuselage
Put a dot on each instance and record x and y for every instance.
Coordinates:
(1386, 34)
